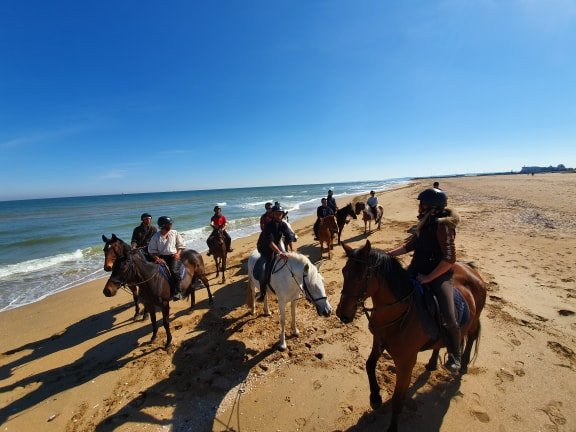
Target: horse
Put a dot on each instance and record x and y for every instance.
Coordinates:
(326, 230)
(291, 280)
(341, 218)
(217, 248)
(394, 321)
(368, 216)
(113, 249)
(192, 261)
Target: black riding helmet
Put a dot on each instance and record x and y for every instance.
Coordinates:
(277, 208)
(163, 221)
(433, 198)
(145, 215)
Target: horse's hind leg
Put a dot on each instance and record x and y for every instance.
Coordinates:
(432, 364)
(472, 336)
(204, 280)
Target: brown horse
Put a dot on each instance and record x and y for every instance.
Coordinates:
(342, 218)
(326, 230)
(113, 249)
(219, 251)
(394, 322)
(192, 260)
(368, 216)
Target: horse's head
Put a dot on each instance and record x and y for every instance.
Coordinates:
(355, 274)
(121, 271)
(350, 211)
(359, 207)
(113, 249)
(315, 291)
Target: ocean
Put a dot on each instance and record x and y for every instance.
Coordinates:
(51, 245)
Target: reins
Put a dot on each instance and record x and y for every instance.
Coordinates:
(363, 296)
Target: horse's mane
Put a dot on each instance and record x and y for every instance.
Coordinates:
(389, 268)
(313, 273)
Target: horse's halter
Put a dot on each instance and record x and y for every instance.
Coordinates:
(361, 298)
(122, 282)
(304, 288)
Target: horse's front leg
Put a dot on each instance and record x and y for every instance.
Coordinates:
(166, 322)
(282, 337)
(134, 290)
(223, 262)
(404, 369)
(217, 266)
(375, 398)
(152, 311)
(295, 330)
(251, 295)
(432, 364)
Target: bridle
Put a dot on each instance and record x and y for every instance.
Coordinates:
(304, 288)
(123, 282)
(361, 298)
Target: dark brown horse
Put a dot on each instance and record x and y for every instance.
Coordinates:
(342, 218)
(192, 260)
(326, 230)
(394, 322)
(368, 216)
(133, 268)
(219, 251)
(113, 249)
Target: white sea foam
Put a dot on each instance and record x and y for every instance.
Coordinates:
(38, 264)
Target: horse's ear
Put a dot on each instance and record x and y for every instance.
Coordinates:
(104, 238)
(365, 251)
(114, 237)
(347, 249)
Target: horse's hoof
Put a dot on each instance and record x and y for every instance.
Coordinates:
(282, 348)
(375, 401)
(464, 370)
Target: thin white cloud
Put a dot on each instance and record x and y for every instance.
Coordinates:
(39, 137)
(113, 175)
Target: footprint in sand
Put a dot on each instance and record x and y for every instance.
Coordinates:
(519, 368)
(554, 413)
(477, 410)
(504, 376)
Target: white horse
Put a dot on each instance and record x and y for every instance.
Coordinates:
(291, 280)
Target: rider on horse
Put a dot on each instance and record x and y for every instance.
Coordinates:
(218, 223)
(433, 259)
(321, 212)
(372, 203)
(143, 233)
(165, 247)
(331, 201)
(268, 245)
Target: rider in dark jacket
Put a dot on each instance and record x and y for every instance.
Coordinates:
(321, 212)
(268, 245)
(433, 259)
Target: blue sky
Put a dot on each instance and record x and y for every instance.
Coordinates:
(143, 96)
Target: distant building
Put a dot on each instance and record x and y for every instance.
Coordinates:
(538, 169)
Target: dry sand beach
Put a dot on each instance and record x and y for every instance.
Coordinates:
(77, 362)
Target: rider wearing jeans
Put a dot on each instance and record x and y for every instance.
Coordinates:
(268, 245)
(433, 259)
(165, 247)
(373, 204)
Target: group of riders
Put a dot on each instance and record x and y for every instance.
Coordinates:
(432, 244)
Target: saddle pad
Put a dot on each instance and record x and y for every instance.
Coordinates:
(427, 309)
(180, 268)
(258, 270)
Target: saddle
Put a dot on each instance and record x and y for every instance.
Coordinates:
(429, 310)
(165, 272)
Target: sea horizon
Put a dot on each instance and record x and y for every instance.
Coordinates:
(48, 245)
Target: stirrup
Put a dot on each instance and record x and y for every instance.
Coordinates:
(452, 365)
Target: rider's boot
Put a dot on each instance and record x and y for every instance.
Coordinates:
(453, 345)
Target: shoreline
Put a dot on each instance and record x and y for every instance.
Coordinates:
(77, 362)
